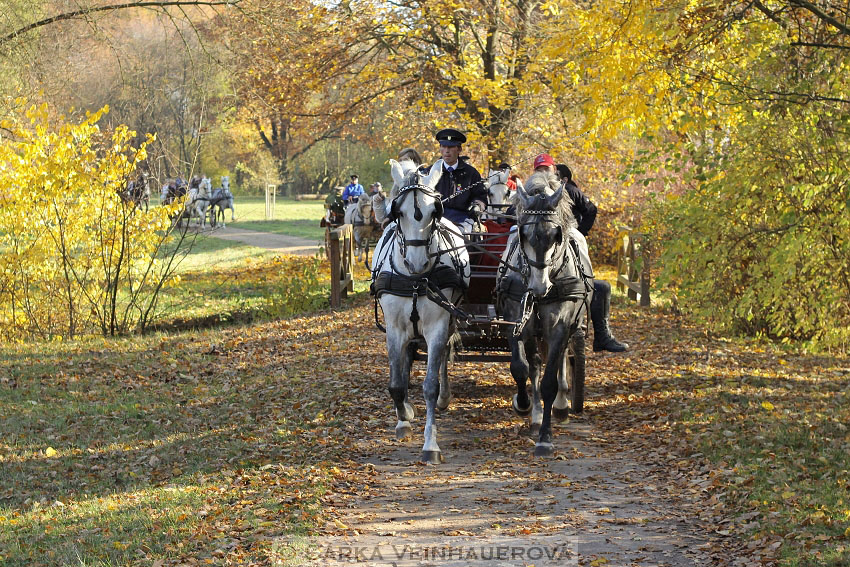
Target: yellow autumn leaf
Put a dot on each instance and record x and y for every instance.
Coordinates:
(340, 525)
(600, 561)
(50, 452)
(767, 405)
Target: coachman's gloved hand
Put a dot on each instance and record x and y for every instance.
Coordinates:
(475, 210)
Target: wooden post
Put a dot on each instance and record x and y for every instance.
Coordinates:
(644, 274)
(633, 282)
(271, 201)
(340, 246)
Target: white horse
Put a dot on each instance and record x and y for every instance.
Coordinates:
(359, 216)
(420, 270)
(198, 201)
(222, 199)
(498, 193)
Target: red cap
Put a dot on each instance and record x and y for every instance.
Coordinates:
(543, 159)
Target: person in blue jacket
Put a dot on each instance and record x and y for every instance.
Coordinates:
(352, 191)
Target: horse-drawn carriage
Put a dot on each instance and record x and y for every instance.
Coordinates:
(200, 199)
(359, 214)
(511, 294)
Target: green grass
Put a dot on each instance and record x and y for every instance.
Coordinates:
(777, 432)
(118, 452)
(205, 252)
(291, 217)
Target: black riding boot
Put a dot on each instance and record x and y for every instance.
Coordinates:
(600, 307)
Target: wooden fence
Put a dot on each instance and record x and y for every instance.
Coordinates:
(633, 266)
(339, 243)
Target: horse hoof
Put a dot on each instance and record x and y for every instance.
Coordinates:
(411, 412)
(561, 414)
(431, 457)
(544, 450)
(403, 430)
(520, 411)
(443, 405)
(535, 430)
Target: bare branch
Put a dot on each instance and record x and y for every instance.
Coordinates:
(86, 11)
(822, 15)
(824, 45)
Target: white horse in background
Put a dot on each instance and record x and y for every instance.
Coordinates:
(198, 201)
(420, 270)
(498, 193)
(359, 215)
(222, 199)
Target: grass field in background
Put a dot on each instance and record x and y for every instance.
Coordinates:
(291, 217)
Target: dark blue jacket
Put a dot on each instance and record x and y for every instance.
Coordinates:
(464, 176)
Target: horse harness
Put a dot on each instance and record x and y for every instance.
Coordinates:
(428, 285)
(567, 288)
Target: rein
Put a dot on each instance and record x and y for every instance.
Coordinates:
(560, 291)
(428, 285)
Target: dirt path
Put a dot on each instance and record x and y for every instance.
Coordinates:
(277, 242)
(610, 497)
(491, 500)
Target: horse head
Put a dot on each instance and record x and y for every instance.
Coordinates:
(417, 209)
(364, 209)
(205, 188)
(544, 216)
(497, 188)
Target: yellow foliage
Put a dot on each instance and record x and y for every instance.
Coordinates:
(65, 232)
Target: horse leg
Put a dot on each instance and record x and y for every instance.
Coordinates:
(561, 405)
(437, 338)
(519, 371)
(431, 453)
(549, 387)
(232, 213)
(534, 363)
(400, 363)
(445, 395)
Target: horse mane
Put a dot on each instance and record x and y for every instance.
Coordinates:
(409, 167)
(539, 187)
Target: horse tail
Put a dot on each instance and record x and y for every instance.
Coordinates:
(455, 344)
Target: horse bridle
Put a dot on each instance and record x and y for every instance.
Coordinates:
(417, 215)
(540, 217)
(528, 301)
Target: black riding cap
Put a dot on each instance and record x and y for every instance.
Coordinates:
(450, 137)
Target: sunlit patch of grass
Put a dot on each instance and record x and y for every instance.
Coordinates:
(779, 437)
(112, 529)
(205, 252)
(292, 218)
(258, 289)
(161, 447)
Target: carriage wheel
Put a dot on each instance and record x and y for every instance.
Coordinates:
(577, 359)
